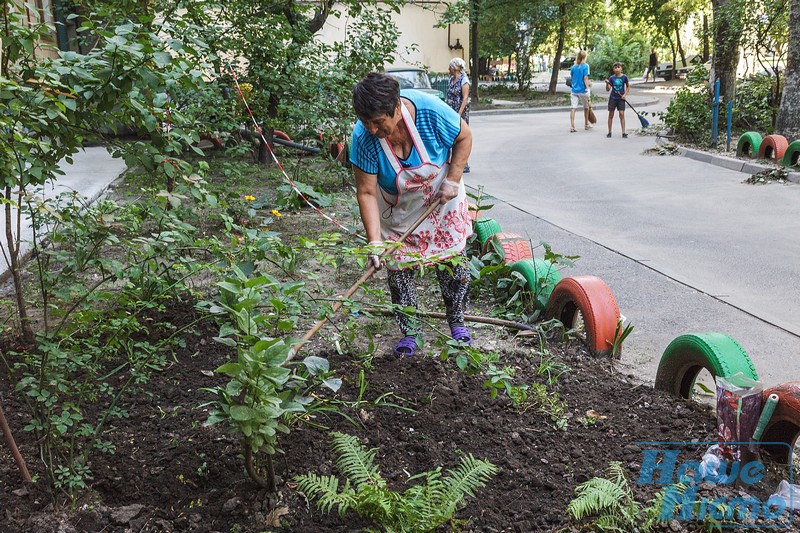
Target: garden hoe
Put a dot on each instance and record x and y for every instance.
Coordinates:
(367, 274)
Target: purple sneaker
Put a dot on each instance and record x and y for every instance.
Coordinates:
(406, 347)
(461, 334)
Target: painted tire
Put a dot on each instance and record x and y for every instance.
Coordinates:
(474, 214)
(784, 426)
(593, 298)
(542, 277)
(748, 144)
(688, 354)
(510, 246)
(280, 135)
(486, 227)
(773, 147)
(791, 157)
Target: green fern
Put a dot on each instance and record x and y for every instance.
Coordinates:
(423, 507)
(611, 499)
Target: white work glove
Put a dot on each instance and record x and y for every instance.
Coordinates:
(447, 191)
(374, 258)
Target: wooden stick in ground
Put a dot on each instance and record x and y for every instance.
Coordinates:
(467, 318)
(367, 274)
(13, 447)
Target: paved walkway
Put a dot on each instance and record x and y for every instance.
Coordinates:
(90, 173)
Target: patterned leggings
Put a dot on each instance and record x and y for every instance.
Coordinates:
(453, 282)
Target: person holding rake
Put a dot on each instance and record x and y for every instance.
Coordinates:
(619, 86)
(409, 151)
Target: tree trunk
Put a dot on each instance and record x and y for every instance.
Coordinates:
(680, 45)
(562, 31)
(727, 34)
(706, 52)
(788, 122)
(473, 51)
(15, 266)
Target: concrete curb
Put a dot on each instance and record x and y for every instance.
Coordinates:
(739, 165)
(528, 110)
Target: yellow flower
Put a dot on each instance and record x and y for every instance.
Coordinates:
(250, 198)
(276, 213)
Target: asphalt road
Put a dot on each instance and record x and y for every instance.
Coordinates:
(685, 246)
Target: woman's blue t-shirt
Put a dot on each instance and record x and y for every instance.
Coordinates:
(578, 72)
(438, 127)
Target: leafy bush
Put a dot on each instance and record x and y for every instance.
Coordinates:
(689, 113)
(619, 45)
(753, 109)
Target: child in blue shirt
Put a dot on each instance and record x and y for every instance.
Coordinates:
(619, 86)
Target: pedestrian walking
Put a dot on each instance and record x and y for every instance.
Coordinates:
(458, 91)
(651, 65)
(579, 94)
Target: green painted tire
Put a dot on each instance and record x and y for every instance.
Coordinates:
(791, 157)
(688, 354)
(542, 277)
(748, 144)
(485, 227)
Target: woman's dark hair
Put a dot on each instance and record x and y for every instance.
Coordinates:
(377, 94)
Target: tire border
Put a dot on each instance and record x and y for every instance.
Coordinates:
(791, 157)
(512, 246)
(751, 139)
(485, 227)
(687, 355)
(784, 426)
(530, 268)
(777, 144)
(593, 298)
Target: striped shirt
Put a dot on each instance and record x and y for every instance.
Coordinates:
(438, 127)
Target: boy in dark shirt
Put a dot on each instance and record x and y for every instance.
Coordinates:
(619, 86)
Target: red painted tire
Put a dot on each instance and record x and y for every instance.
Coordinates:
(773, 147)
(510, 246)
(791, 157)
(593, 298)
(784, 426)
(281, 135)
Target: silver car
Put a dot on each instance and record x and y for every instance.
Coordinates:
(414, 78)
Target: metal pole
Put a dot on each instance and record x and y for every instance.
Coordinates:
(715, 114)
(730, 120)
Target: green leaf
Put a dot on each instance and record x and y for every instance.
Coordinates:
(241, 413)
(315, 364)
(231, 369)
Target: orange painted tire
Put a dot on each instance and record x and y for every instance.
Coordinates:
(784, 426)
(593, 298)
(510, 246)
(281, 135)
(473, 212)
(773, 147)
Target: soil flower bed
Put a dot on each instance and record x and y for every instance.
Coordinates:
(172, 472)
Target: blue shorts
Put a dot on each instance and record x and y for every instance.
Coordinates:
(616, 103)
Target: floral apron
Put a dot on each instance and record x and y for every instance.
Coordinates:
(444, 233)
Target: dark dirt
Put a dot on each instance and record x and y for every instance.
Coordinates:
(170, 473)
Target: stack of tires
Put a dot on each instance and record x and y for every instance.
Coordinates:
(774, 147)
(579, 301)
